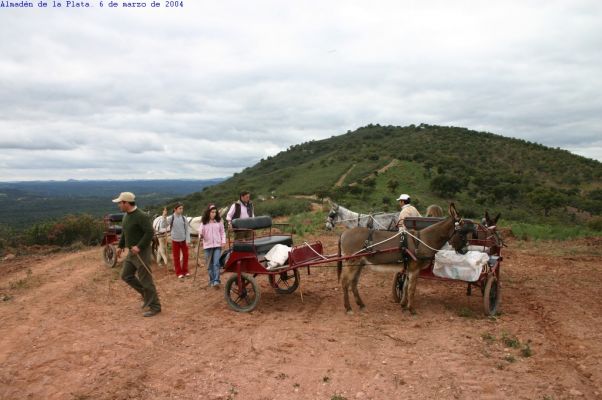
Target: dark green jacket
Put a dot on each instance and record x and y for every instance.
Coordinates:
(137, 230)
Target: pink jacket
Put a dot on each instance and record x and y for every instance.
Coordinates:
(213, 234)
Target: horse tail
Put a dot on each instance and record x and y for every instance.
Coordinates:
(339, 263)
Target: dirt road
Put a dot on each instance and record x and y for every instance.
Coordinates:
(70, 329)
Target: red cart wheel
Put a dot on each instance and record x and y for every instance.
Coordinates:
(491, 295)
(398, 282)
(285, 282)
(109, 255)
(245, 297)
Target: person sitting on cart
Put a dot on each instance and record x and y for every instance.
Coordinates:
(137, 234)
(180, 238)
(407, 210)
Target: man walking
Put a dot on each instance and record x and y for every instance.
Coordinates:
(136, 235)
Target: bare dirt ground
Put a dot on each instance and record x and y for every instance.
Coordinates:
(70, 329)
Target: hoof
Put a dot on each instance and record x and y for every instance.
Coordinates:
(363, 308)
(349, 312)
(412, 311)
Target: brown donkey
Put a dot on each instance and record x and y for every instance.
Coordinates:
(355, 240)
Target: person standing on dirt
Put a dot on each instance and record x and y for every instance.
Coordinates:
(243, 208)
(180, 238)
(137, 234)
(407, 210)
(213, 235)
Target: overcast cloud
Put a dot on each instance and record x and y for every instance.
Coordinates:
(209, 89)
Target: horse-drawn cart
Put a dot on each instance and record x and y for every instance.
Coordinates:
(484, 239)
(248, 257)
(111, 237)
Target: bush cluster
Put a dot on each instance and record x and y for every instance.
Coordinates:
(82, 228)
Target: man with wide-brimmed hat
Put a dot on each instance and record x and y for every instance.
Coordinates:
(136, 235)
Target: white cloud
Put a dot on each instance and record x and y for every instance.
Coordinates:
(209, 89)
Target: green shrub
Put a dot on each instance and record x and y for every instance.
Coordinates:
(82, 228)
(282, 207)
(595, 224)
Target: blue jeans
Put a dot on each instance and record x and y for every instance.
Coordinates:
(212, 256)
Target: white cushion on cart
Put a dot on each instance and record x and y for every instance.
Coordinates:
(277, 256)
(465, 267)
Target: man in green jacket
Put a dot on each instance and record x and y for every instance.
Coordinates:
(137, 235)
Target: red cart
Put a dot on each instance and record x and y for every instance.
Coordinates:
(483, 239)
(111, 238)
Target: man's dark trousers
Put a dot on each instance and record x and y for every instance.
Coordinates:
(143, 283)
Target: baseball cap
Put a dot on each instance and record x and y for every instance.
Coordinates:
(403, 197)
(125, 196)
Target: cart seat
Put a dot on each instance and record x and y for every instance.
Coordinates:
(262, 245)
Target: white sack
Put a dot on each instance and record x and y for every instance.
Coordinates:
(467, 267)
(277, 256)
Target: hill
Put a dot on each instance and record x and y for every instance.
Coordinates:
(367, 169)
(26, 203)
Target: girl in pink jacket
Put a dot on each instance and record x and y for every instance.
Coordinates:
(213, 235)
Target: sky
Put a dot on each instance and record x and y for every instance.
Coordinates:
(207, 89)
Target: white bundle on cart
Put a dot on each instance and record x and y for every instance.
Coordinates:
(277, 256)
(465, 267)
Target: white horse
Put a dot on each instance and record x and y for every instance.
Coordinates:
(162, 235)
(351, 219)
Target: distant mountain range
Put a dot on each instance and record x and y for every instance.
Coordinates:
(29, 202)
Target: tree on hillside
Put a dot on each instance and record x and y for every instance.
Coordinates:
(446, 186)
(392, 184)
(546, 198)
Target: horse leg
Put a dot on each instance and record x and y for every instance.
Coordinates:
(345, 283)
(354, 281)
(412, 279)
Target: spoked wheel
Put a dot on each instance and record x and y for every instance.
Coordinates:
(245, 297)
(109, 255)
(285, 282)
(491, 295)
(398, 282)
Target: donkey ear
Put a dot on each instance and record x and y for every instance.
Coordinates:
(487, 218)
(496, 218)
(452, 210)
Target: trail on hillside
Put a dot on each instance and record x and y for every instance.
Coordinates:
(340, 181)
(70, 329)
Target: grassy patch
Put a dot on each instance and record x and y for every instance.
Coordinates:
(526, 350)
(510, 358)
(488, 337)
(526, 231)
(307, 223)
(466, 312)
(510, 341)
(337, 396)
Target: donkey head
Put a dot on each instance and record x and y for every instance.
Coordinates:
(490, 222)
(459, 238)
